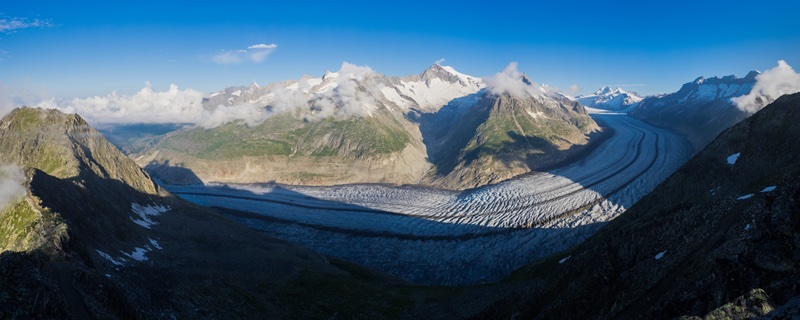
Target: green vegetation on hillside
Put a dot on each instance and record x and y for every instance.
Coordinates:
(23, 228)
(285, 135)
(507, 132)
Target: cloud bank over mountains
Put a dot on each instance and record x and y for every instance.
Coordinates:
(352, 91)
(175, 105)
(149, 106)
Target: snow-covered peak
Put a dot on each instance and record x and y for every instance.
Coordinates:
(714, 88)
(604, 90)
(433, 88)
(463, 77)
(611, 99)
(447, 74)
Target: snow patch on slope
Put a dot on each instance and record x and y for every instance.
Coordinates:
(769, 189)
(117, 262)
(733, 158)
(145, 214)
(745, 197)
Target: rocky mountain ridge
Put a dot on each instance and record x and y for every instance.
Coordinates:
(700, 110)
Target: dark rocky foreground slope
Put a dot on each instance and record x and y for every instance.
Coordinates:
(94, 237)
(718, 239)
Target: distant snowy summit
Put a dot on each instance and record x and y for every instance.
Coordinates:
(610, 99)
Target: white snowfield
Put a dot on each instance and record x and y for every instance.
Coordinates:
(454, 238)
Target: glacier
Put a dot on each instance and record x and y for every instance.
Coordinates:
(443, 237)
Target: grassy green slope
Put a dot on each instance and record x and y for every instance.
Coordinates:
(285, 135)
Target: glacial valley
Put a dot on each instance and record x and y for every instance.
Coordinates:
(425, 235)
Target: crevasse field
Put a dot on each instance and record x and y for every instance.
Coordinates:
(444, 237)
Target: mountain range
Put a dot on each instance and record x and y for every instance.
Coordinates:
(440, 128)
(700, 110)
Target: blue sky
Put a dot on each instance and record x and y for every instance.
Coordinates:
(69, 49)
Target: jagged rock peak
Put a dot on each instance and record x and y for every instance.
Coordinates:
(436, 71)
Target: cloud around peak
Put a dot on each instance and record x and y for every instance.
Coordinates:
(256, 53)
(510, 81)
(770, 85)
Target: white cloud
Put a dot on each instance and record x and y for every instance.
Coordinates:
(249, 114)
(15, 24)
(574, 89)
(511, 81)
(149, 106)
(256, 53)
(11, 180)
(354, 94)
(770, 85)
(145, 106)
(263, 46)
